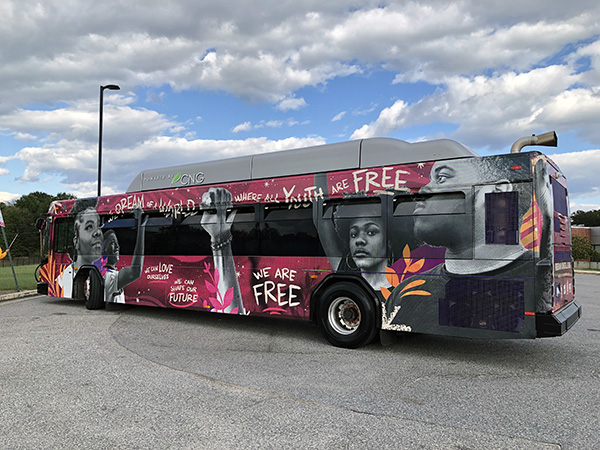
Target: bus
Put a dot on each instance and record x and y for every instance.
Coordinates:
(362, 238)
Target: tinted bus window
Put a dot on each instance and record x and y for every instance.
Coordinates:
(502, 218)
(560, 198)
(289, 231)
(435, 218)
(63, 236)
(245, 232)
(162, 238)
(352, 208)
(350, 215)
(428, 204)
(124, 229)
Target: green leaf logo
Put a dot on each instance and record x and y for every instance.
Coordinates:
(176, 179)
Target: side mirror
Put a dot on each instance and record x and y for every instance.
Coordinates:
(40, 224)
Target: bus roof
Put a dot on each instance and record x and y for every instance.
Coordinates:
(357, 154)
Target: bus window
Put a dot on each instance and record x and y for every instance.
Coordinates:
(560, 198)
(288, 230)
(124, 229)
(63, 236)
(351, 208)
(244, 214)
(438, 203)
(502, 218)
(192, 239)
(161, 237)
(288, 212)
(440, 219)
(350, 216)
(245, 232)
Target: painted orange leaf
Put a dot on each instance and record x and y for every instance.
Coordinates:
(392, 276)
(385, 291)
(413, 284)
(406, 255)
(415, 293)
(415, 267)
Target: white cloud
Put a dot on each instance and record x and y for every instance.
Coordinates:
(291, 104)
(576, 109)
(274, 123)
(25, 137)
(584, 206)
(268, 53)
(339, 116)
(79, 122)
(7, 197)
(79, 169)
(245, 126)
(493, 111)
(581, 169)
(390, 119)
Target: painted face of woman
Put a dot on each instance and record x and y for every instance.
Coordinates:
(367, 243)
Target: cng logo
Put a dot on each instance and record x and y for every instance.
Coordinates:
(187, 179)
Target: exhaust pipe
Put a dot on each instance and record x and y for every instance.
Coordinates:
(548, 139)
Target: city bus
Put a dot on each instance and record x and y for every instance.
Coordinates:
(362, 238)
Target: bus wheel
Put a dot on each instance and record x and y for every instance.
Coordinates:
(346, 315)
(93, 291)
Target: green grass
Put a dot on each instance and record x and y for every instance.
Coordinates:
(24, 277)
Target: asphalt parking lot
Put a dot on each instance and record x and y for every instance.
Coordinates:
(150, 378)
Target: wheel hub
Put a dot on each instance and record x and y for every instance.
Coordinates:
(86, 289)
(350, 314)
(344, 315)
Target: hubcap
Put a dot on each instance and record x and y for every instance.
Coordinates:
(344, 315)
(86, 289)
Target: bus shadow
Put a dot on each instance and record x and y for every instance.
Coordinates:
(559, 356)
(218, 332)
(212, 333)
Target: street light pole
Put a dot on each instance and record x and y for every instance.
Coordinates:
(110, 87)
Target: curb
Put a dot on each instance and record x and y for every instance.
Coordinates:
(14, 295)
(588, 272)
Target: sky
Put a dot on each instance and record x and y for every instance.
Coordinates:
(202, 80)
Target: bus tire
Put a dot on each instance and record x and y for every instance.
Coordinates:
(93, 291)
(346, 315)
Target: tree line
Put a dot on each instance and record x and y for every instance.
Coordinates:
(20, 217)
(584, 250)
(586, 218)
(582, 247)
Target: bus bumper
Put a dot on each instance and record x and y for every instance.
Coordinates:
(42, 288)
(558, 322)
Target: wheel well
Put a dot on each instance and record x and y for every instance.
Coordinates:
(348, 278)
(79, 281)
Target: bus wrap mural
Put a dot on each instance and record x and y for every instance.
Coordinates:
(445, 245)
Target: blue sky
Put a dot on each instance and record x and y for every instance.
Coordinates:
(206, 80)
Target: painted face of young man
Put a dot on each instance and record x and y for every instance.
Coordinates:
(89, 241)
(111, 249)
(367, 243)
(441, 222)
